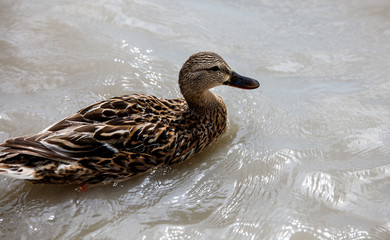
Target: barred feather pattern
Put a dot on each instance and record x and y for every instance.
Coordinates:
(113, 140)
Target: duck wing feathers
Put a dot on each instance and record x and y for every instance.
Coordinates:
(137, 129)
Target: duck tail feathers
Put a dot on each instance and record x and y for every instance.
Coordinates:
(14, 169)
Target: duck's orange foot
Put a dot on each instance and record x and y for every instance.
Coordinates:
(82, 188)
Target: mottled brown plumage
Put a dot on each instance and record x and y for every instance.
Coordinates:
(125, 136)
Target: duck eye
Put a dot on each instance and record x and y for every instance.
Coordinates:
(215, 68)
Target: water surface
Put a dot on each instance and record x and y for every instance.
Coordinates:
(305, 156)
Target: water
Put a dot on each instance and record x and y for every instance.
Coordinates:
(305, 156)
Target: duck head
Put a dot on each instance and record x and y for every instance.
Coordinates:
(205, 70)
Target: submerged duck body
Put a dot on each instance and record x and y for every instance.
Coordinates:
(125, 136)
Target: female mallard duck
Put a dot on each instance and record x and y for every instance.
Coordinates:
(126, 136)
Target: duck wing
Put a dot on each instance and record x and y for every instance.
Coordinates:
(135, 124)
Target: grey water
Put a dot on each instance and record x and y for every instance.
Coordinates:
(305, 156)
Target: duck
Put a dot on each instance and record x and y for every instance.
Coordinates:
(122, 137)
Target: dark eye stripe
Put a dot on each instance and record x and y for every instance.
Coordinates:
(215, 68)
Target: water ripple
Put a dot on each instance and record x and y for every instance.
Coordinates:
(305, 156)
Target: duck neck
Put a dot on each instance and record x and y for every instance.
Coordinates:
(204, 102)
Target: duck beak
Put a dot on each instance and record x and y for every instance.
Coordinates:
(236, 80)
